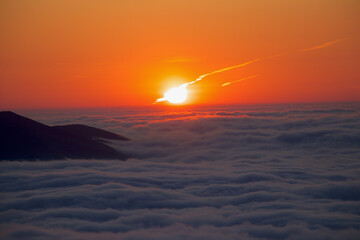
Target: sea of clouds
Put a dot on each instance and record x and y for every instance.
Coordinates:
(255, 172)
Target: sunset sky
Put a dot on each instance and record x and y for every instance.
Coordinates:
(87, 53)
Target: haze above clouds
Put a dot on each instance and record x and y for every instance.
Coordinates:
(275, 172)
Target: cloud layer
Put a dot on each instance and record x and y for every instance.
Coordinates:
(275, 172)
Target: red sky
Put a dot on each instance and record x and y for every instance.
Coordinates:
(89, 53)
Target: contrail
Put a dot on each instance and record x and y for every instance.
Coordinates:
(229, 68)
(323, 45)
(279, 55)
(240, 80)
(222, 70)
(184, 85)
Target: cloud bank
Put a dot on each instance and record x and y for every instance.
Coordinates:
(275, 172)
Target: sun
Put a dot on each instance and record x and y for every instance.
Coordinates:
(176, 94)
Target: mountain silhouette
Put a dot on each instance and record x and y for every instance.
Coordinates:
(24, 139)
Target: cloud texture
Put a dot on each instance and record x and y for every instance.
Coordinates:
(274, 172)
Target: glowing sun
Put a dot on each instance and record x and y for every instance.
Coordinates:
(175, 95)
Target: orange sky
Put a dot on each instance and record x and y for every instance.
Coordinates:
(89, 53)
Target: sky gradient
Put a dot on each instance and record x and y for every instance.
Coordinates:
(114, 53)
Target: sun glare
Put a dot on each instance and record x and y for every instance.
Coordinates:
(176, 95)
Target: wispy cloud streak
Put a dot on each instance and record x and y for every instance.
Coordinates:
(230, 68)
(323, 45)
(184, 85)
(240, 80)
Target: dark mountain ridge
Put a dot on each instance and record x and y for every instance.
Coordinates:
(24, 139)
